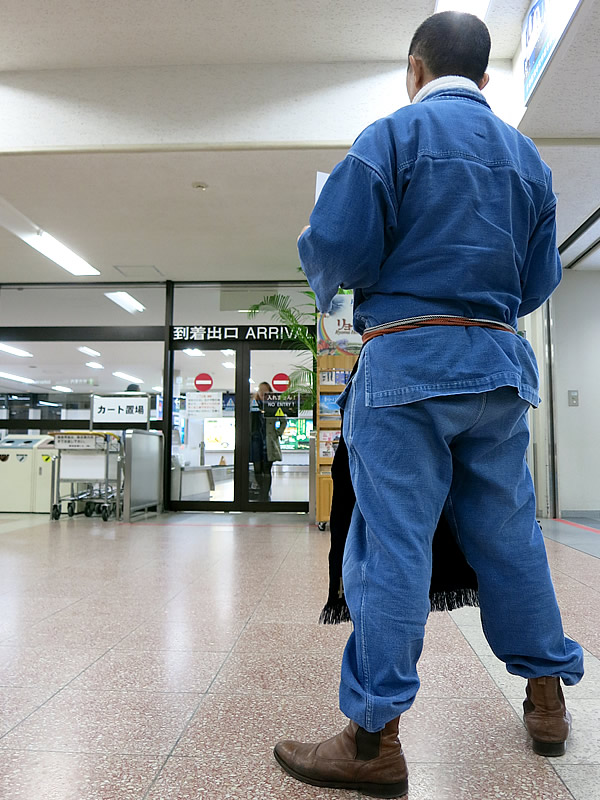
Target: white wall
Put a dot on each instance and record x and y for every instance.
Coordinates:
(576, 336)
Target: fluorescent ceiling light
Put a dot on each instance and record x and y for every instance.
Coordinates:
(16, 378)
(193, 352)
(157, 389)
(94, 365)
(14, 351)
(89, 352)
(127, 377)
(244, 311)
(18, 224)
(59, 253)
(61, 389)
(228, 364)
(126, 301)
(228, 352)
(477, 7)
(48, 403)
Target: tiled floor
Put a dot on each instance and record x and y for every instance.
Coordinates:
(163, 659)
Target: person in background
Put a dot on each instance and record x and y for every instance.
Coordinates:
(442, 219)
(265, 448)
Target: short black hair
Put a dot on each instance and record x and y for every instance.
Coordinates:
(453, 43)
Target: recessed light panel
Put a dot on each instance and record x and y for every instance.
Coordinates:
(126, 377)
(89, 352)
(15, 351)
(10, 377)
(126, 301)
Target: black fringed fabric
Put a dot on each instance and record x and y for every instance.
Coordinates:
(453, 581)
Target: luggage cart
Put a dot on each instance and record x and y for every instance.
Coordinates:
(92, 458)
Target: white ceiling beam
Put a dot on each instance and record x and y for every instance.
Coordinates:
(211, 107)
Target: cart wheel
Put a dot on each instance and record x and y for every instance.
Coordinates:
(55, 512)
(322, 526)
(105, 514)
(89, 509)
(71, 509)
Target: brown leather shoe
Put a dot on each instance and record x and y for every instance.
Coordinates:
(546, 717)
(372, 763)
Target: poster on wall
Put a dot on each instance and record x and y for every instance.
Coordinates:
(204, 404)
(328, 443)
(219, 434)
(544, 26)
(335, 334)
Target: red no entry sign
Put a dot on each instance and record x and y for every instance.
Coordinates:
(203, 382)
(280, 382)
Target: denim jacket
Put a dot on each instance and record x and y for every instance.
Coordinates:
(439, 208)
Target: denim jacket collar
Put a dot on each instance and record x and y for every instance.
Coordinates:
(450, 86)
(450, 92)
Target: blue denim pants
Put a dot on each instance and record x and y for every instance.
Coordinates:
(464, 453)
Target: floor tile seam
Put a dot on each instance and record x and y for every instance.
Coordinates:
(580, 547)
(143, 622)
(103, 753)
(319, 693)
(60, 689)
(219, 525)
(29, 686)
(160, 767)
(24, 526)
(581, 583)
(560, 778)
(29, 625)
(74, 678)
(410, 761)
(549, 761)
(250, 618)
(206, 693)
(489, 672)
(126, 690)
(35, 710)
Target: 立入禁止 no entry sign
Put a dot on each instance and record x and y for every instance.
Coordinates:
(281, 382)
(203, 382)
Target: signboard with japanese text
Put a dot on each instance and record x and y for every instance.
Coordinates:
(78, 441)
(204, 404)
(544, 26)
(274, 402)
(121, 409)
(335, 334)
(181, 335)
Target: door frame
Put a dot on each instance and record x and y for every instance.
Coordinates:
(241, 500)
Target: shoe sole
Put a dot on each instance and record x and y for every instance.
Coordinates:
(399, 790)
(549, 749)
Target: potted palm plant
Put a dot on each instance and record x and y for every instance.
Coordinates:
(301, 321)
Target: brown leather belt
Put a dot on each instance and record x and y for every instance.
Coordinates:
(440, 319)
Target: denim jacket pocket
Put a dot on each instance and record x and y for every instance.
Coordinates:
(343, 398)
